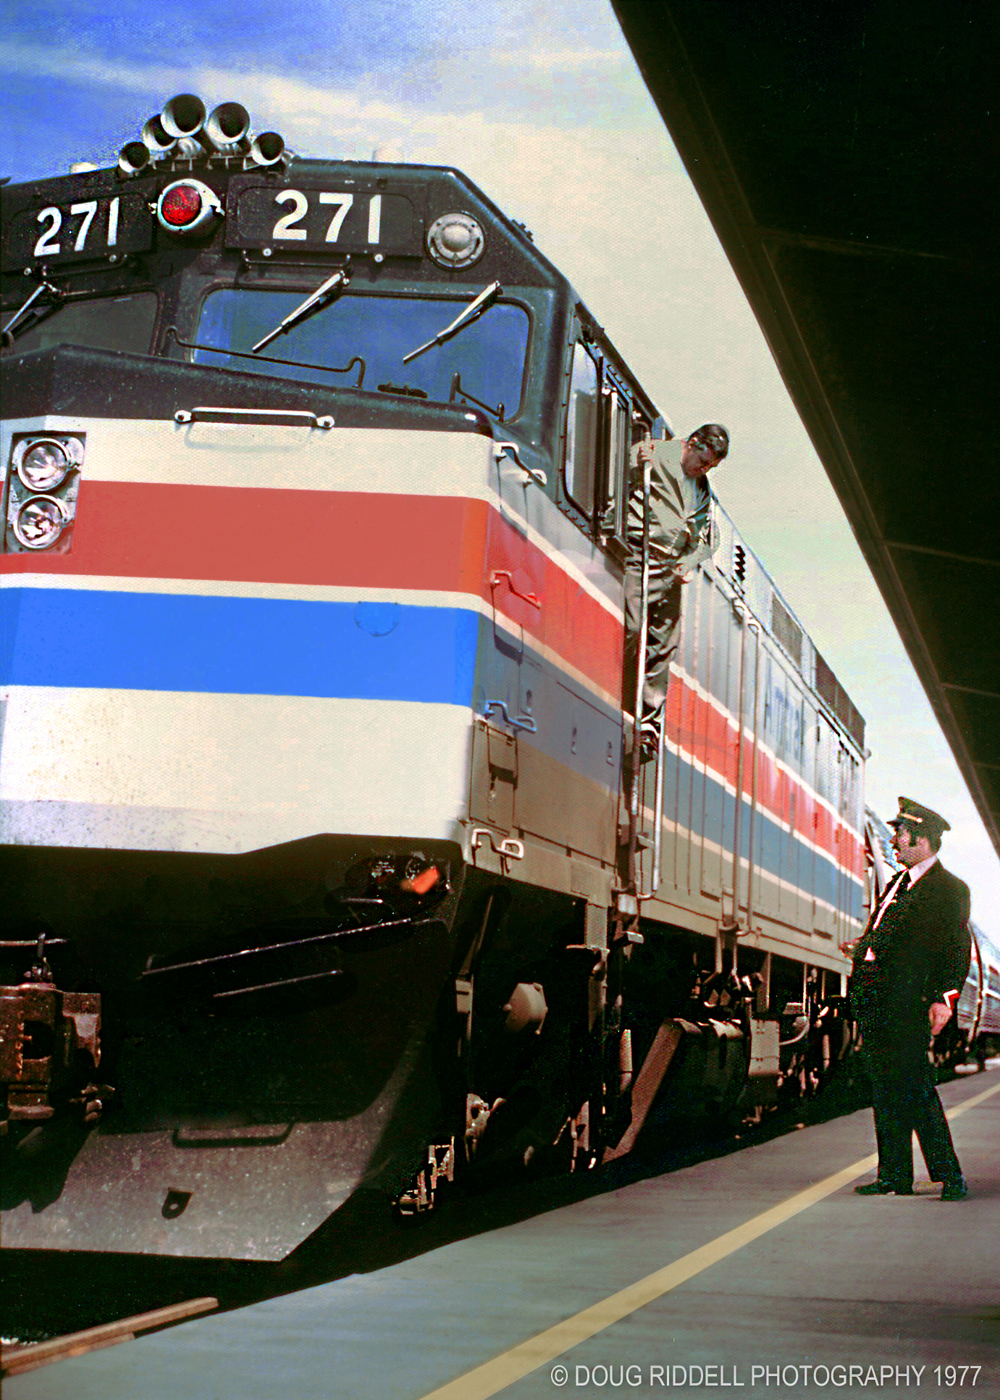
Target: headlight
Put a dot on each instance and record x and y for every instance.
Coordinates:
(43, 484)
(39, 522)
(43, 464)
(455, 240)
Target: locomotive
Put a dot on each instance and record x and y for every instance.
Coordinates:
(328, 859)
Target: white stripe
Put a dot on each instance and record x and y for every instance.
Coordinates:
(227, 773)
(243, 588)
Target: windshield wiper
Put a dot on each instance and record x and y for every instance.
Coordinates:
(55, 292)
(333, 284)
(475, 308)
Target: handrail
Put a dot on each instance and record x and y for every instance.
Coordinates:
(499, 574)
(742, 612)
(755, 629)
(515, 721)
(640, 685)
(654, 876)
(501, 449)
(507, 846)
(191, 415)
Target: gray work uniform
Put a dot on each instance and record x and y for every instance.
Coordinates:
(681, 534)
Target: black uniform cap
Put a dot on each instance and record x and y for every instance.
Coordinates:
(921, 820)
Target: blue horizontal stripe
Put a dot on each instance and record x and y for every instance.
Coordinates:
(812, 873)
(240, 646)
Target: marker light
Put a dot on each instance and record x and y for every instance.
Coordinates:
(39, 522)
(187, 206)
(420, 884)
(44, 464)
(180, 206)
(44, 477)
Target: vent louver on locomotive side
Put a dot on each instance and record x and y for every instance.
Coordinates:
(836, 697)
(786, 629)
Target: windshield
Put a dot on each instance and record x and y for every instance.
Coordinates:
(102, 323)
(489, 354)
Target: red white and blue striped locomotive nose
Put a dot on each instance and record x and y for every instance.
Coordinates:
(289, 657)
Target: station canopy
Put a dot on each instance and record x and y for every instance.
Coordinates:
(848, 155)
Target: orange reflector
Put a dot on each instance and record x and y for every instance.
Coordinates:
(423, 882)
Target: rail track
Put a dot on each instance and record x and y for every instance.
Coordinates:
(14, 1360)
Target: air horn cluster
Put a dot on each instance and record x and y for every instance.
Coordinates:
(183, 132)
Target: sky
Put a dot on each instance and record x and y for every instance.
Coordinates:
(542, 106)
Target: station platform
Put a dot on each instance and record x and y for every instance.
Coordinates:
(758, 1273)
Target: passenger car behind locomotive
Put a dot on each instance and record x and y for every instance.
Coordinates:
(977, 1015)
(323, 866)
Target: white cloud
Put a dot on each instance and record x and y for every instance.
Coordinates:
(561, 60)
(40, 61)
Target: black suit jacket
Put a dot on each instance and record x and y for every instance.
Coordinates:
(920, 951)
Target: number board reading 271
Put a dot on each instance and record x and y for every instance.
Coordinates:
(77, 230)
(321, 220)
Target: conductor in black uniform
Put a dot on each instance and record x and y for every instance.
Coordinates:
(909, 967)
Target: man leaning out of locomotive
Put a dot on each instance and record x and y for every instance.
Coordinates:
(681, 534)
(909, 967)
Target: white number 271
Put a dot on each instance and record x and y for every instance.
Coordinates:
(289, 226)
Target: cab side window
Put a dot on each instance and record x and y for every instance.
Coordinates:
(603, 421)
(583, 430)
(615, 488)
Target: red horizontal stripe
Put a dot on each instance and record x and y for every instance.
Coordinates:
(272, 536)
(337, 539)
(702, 733)
(569, 619)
